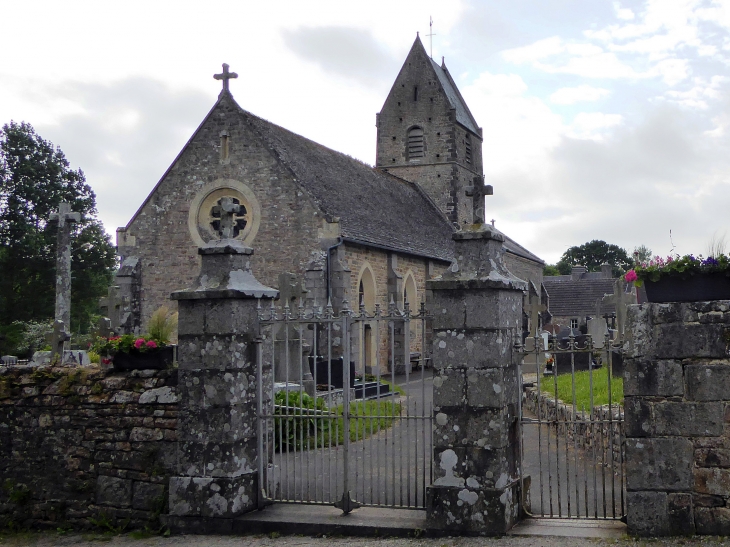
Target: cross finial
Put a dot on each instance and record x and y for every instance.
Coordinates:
(225, 76)
(227, 210)
(430, 33)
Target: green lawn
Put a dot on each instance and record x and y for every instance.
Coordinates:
(582, 388)
(299, 425)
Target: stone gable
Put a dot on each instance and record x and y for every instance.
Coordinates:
(163, 232)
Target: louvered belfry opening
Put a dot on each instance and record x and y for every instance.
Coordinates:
(468, 148)
(415, 143)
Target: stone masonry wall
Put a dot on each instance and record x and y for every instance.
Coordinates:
(677, 400)
(82, 447)
(588, 429)
(159, 235)
(356, 257)
(524, 269)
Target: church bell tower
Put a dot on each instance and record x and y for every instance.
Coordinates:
(427, 135)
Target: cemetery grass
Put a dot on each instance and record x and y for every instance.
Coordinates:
(308, 429)
(582, 388)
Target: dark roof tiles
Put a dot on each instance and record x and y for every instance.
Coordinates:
(570, 297)
(373, 207)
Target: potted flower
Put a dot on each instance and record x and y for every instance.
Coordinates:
(683, 278)
(146, 351)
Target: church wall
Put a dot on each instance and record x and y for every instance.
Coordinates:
(288, 224)
(524, 269)
(356, 257)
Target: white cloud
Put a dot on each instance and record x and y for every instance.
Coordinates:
(623, 13)
(582, 93)
(601, 65)
(593, 125)
(535, 51)
(699, 95)
(518, 129)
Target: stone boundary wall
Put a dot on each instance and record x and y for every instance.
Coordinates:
(586, 434)
(82, 447)
(677, 389)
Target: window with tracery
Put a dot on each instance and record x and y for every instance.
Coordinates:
(240, 219)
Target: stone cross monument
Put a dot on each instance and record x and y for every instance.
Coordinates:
(227, 211)
(64, 217)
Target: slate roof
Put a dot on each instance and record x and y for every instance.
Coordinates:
(463, 114)
(569, 297)
(374, 207)
(511, 246)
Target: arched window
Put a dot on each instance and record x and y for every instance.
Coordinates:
(415, 143)
(366, 290)
(410, 294)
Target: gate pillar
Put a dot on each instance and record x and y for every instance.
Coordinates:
(476, 308)
(217, 477)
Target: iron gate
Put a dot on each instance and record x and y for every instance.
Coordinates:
(345, 410)
(572, 424)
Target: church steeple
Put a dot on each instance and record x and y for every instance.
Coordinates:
(426, 134)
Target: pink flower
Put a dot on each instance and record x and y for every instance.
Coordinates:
(138, 343)
(151, 344)
(630, 276)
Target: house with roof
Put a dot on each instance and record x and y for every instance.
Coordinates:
(324, 226)
(577, 298)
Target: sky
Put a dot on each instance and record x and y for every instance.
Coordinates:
(601, 120)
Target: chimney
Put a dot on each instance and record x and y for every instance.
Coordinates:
(607, 270)
(578, 272)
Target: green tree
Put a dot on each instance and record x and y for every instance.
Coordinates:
(642, 253)
(34, 178)
(550, 269)
(597, 252)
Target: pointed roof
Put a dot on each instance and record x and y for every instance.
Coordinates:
(463, 114)
(456, 101)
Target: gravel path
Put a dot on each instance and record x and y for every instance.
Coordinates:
(53, 539)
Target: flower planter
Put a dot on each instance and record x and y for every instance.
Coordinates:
(158, 359)
(700, 287)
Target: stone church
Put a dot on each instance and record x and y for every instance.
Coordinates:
(323, 226)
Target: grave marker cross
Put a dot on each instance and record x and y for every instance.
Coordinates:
(225, 76)
(533, 310)
(57, 339)
(64, 217)
(621, 299)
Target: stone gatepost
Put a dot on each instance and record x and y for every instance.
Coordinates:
(218, 325)
(677, 401)
(477, 317)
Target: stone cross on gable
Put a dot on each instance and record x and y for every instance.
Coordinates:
(227, 211)
(533, 310)
(57, 339)
(64, 217)
(225, 76)
(621, 299)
